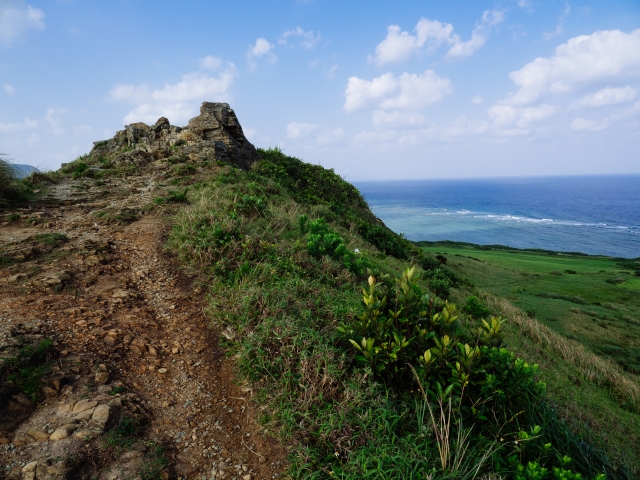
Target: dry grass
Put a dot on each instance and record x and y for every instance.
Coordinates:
(596, 369)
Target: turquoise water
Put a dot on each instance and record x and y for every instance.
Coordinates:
(598, 215)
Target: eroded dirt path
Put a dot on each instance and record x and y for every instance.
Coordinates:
(131, 344)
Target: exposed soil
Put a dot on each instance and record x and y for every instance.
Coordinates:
(131, 343)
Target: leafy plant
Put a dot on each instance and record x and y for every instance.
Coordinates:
(251, 204)
(476, 307)
(321, 240)
(402, 334)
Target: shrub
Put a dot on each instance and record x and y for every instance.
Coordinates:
(403, 335)
(251, 204)
(440, 283)
(570, 272)
(476, 307)
(321, 240)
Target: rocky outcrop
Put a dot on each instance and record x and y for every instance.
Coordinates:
(215, 134)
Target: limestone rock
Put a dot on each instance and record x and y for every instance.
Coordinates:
(83, 405)
(86, 415)
(38, 435)
(102, 377)
(218, 125)
(63, 432)
(100, 416)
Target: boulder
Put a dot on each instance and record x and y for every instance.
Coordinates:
(217, 125)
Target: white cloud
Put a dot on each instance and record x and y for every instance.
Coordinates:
(210, 62)
(17, 126)
(429, 35)
(16, 19)
(33, 139)
(525, 4)
(388, 92)
(177, 102)
(560, 26)
(399, 45)
(307, 40)
(261, 49)
(607, 96)
(589, 125)
(509, 120)
(479, 35)
(9, 89)
(54, 119)
(397, 119)
(329, 135)
(465, 126)
(331, 73)
(584, 60)
(477, 100)
(300, 130)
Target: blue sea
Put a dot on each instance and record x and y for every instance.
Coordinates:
(598, 215)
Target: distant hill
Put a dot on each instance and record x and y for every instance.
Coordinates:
(24, 170)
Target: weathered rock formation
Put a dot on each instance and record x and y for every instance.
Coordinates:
(214, 134)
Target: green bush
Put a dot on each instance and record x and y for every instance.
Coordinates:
(403, 335)
(251, 204)
(440, 283)
(476, 308)
(321, 240)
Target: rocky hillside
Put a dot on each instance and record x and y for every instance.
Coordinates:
(109, 367)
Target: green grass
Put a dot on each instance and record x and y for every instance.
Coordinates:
(278, 304)
(584, 305)
(25, 370)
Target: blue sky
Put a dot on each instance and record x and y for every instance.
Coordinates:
(373, 89)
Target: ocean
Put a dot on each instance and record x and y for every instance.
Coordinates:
(597, 215)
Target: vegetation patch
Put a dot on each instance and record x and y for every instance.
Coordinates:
(391, 383)
(25, 370)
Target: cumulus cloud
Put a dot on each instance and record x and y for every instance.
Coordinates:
(9, 89)
(210, 62)
(26, 124)
(177, 101)
(607, 96)
(304, 39)
(261, 49)
(429, 35)
(300, 130)
(479, 35)
(477, 100)
(17, 19)
(582, 61)
(510, 120)
(466, 126)
(54, 119)
(388, 92)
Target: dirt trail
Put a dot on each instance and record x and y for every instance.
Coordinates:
(131, 343)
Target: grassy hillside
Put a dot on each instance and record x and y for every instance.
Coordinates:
(398, 384)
